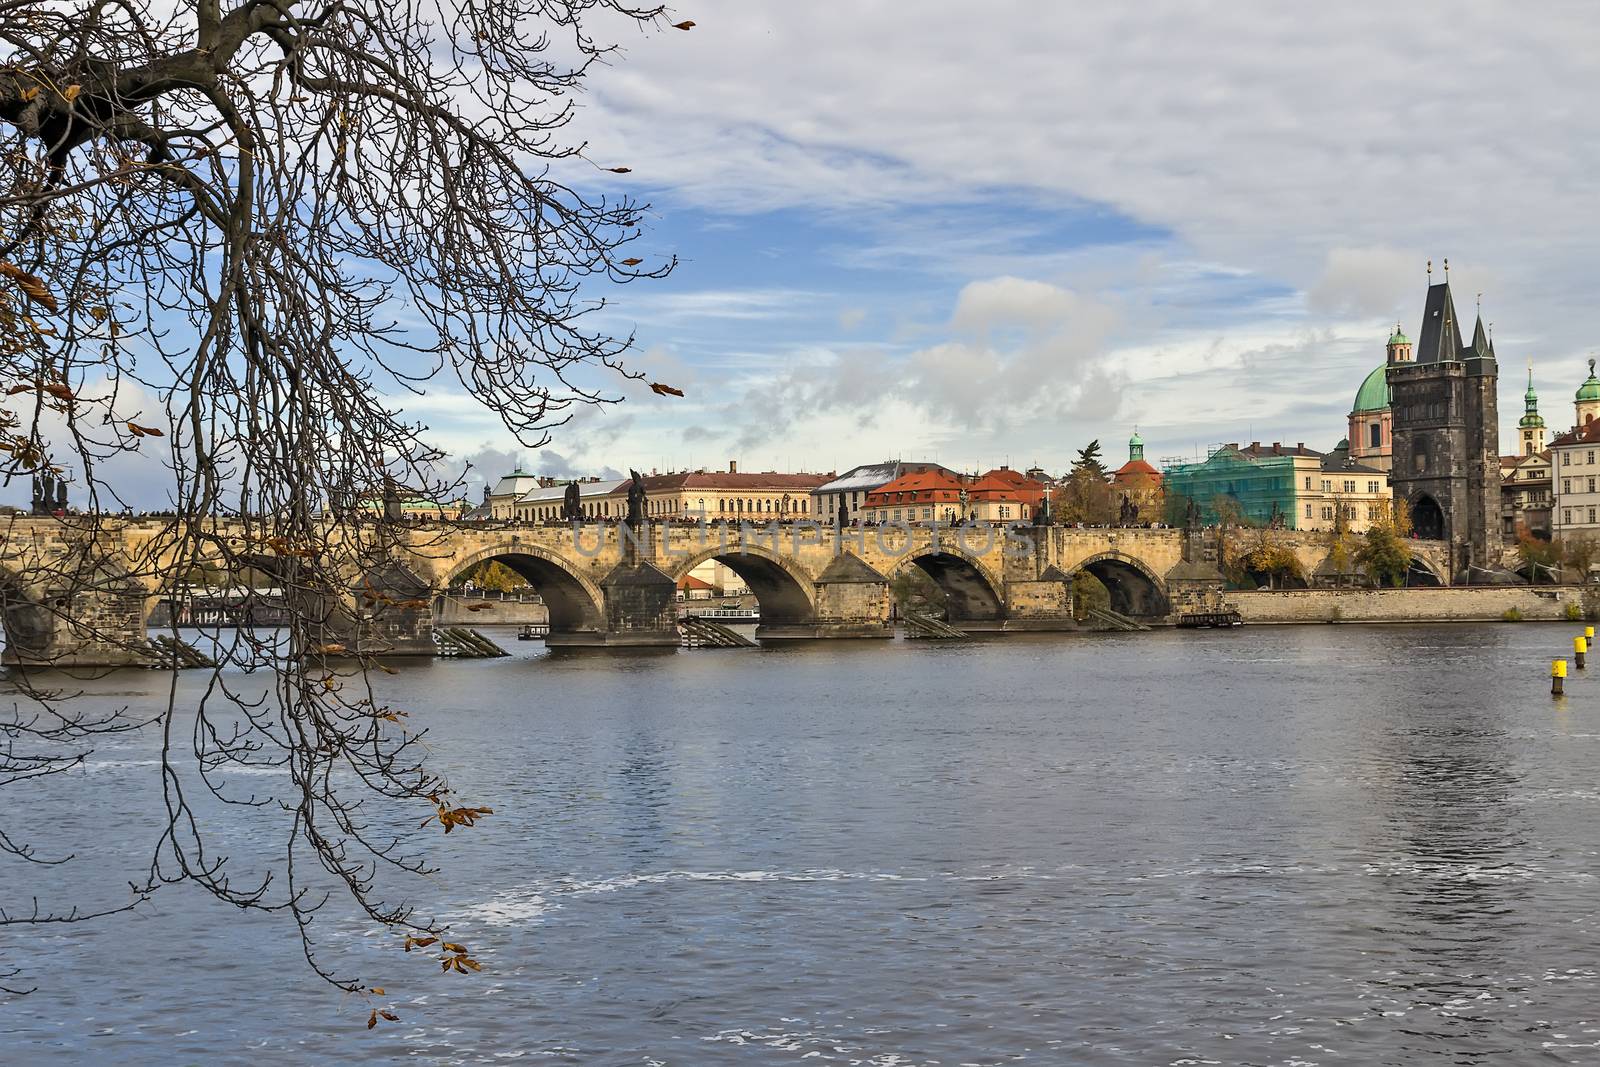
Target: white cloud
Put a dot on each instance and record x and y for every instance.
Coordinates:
(1263, 135)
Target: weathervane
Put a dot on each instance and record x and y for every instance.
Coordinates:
(1446, 268)
(1430, 270)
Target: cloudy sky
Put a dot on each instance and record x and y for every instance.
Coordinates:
(987, 233)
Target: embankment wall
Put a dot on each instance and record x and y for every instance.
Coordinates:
(1445, 604)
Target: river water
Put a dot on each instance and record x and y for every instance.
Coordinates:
(1287, 846)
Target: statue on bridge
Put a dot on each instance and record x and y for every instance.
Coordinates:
(572, 503)
(966, 504)
(49, 494)
(1191, 517)
(1041, 514)
(1129, 512)
(635, 500)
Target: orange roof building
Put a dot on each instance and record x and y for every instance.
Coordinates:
(1000, 495)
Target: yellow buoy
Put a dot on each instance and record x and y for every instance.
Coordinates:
(1558, 674)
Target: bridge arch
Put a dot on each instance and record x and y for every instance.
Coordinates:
(1421, 572)
(1427, 517)
(575, 603)
(785, 592)
(971, 592)
(1135, 590)
(29, 623)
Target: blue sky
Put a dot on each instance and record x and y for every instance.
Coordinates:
(987, 234)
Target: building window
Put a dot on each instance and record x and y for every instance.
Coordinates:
(1349, 485)
(1308, 506)
(1372, 487)
(1308, 489)
(1327, 485)
(1591, 456)
(1005, 512)
(1566, 516)
(1591, 515)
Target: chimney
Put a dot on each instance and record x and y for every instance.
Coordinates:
(733, 466)
(1255, 446)
(1277, 448)
(1301, 445)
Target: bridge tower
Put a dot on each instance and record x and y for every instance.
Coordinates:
(1447, 437)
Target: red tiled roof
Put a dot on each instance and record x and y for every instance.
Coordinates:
(689, 581)
(1587, 434)
(1134, 466)
(943, 485)
(917, 485)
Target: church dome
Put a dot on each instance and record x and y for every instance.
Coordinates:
(1590, 390)
(1374, 392)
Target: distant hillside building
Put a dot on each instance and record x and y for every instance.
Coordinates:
(1446, 456)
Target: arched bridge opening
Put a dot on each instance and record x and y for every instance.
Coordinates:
(573, 604)
(1134, 591)
(1419, 573)
(969, 596)
(29, 624)
(246, 589)
(783, 599)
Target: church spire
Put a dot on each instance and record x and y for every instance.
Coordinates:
(1531, 426)
(1440, 338)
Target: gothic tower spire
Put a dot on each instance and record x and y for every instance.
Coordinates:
(1530, 428)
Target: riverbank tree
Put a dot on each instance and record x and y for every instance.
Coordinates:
(1384, 553)
(234, 240)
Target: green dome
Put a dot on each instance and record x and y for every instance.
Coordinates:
(1590, 390)
(1398, 338)
(1374, 392)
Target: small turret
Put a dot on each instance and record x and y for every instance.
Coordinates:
(1135, 447)
(1399, 346)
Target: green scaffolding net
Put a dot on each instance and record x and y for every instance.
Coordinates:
(1229, 486)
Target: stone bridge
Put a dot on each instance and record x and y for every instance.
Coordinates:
(607, 584)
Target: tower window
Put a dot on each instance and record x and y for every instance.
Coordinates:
(1377, 435)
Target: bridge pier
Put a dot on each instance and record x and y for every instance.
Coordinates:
(57, 628)
(641, 608)
(852, 601)
(1042, 603)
